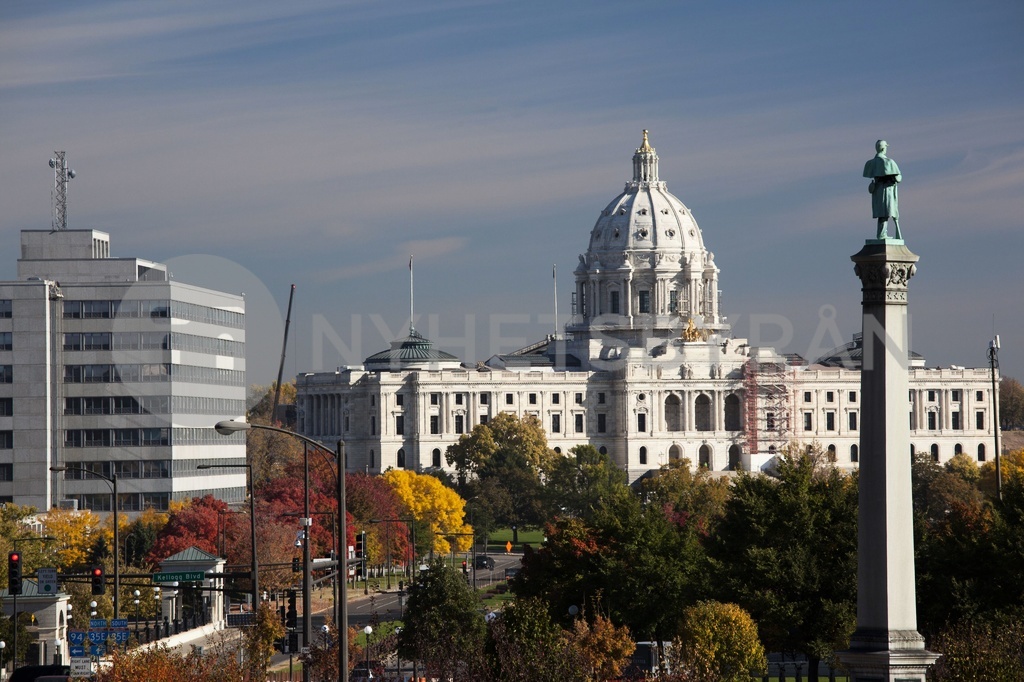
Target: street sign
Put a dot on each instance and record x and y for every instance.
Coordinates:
(121, 636)
(97, 623)
(76, 636)
(77, 651)
(238, 620)
(47, 580)
(98, 636)
(81, 667)
(97, 650)
(117, 623)
(181, 577)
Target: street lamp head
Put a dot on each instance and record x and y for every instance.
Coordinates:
(230, 426)
(58, 469)
(368, 630)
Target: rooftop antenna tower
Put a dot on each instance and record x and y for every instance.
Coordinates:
(61, 175)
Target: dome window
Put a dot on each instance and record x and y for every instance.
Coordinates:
(664, 211)
(642, 232)
(642, 211)
(622, 211)
(670, 233)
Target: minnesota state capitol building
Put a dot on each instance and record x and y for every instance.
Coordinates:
(647, 371)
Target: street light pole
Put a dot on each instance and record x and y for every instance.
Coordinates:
(112, 480)
(307, 582)
(254, 565)
(231, 426)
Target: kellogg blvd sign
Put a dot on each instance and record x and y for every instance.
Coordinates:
(183, 577)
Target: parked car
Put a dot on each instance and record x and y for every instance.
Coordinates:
(484, 561)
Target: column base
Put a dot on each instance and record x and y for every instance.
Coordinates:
(906, 665)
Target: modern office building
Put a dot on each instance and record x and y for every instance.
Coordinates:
(108, 365)
(646, 371)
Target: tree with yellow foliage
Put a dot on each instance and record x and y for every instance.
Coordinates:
(429, 501)
(718, 642)
(76, 534)
(603, 647)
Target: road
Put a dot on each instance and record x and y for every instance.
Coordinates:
(384, 606)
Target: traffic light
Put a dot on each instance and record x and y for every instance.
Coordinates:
(292, 616)
(360, 545)
(14, 573)
(465, 568)
(99, 580)
(296, 566)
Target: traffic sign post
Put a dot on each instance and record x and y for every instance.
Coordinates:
(81, 667)
(46, 578)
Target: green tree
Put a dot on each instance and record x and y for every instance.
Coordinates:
(526, 645)
(980, 650)
(717, 642)
(443, 626)
(786, 552)
(582, 483)
(470, 453)
(1011, 404)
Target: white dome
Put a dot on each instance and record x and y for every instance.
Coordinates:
(646, 270)
(645, 223)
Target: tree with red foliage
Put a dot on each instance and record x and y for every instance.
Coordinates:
(282, 500)
(197, 524)
(373, 498)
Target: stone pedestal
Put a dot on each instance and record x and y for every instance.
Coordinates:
(886, 645)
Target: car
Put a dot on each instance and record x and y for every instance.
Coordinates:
(484, 561)
(31, 673)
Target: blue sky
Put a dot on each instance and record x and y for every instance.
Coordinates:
(256, 144)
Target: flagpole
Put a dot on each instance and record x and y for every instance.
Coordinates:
(410, 297)
(554, 279)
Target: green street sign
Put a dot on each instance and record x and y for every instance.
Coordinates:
(183, 577)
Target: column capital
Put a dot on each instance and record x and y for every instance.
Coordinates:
(884, 268)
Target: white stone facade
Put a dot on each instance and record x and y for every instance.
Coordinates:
(646, 371)
(109, 365)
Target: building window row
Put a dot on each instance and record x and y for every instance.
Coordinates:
(85, 310)
(209, 345)
(134, 468)
(204, 436)
(117, 341)
(201, 313)
(154, 371)
(6, 407)
(117, 405)
(6, 374)
(6, 440)
(197, 404)
(128, 502)
(6, 307)
(6, 341)
(94, 438)
(111, 374)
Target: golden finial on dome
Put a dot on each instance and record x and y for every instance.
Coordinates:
(646, 146)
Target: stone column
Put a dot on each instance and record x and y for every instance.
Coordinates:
(886, 645)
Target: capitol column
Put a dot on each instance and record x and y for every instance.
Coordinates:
(886, 645)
